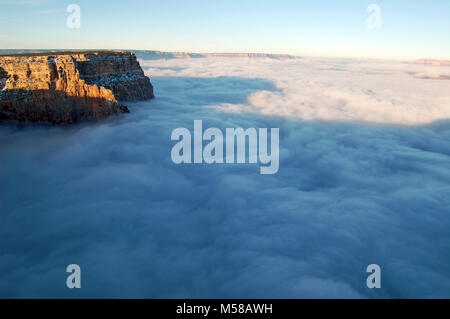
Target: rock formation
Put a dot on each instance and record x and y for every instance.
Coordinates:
(157, 55)
(160, 55)
(66, 87)
(433, 62)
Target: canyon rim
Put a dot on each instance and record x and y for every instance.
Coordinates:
(67, 87)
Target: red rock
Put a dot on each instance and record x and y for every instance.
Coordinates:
(69, 87)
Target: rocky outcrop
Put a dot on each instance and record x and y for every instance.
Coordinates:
(67, 87)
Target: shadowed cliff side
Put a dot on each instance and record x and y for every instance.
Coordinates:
(66, 88)
(55, 107)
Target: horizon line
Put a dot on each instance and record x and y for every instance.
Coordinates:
(231, 53)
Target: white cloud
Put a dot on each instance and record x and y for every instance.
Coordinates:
(106, 195)
(330, 89)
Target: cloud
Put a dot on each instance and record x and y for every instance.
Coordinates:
(331, 89)
(348, 194)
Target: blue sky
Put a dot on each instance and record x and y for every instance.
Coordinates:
(409, 30)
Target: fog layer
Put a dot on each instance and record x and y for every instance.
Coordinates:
(359, 188)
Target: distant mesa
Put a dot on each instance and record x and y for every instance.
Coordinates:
(158, 55)
(67, 87)
(433, 62)
(161, 55)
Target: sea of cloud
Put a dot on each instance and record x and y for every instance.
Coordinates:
(364, 178)
(330, 89)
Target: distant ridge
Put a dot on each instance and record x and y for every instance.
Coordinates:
(160, 55)
(433, 62)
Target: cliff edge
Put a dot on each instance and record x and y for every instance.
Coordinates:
(67, 87)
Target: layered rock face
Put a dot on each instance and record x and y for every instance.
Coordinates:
(68, 87)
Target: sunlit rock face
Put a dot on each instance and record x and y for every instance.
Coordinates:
(69, 87)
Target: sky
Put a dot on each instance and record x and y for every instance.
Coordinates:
(408, 29)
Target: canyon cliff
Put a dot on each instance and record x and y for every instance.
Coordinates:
(157, 55)
(67, 87)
